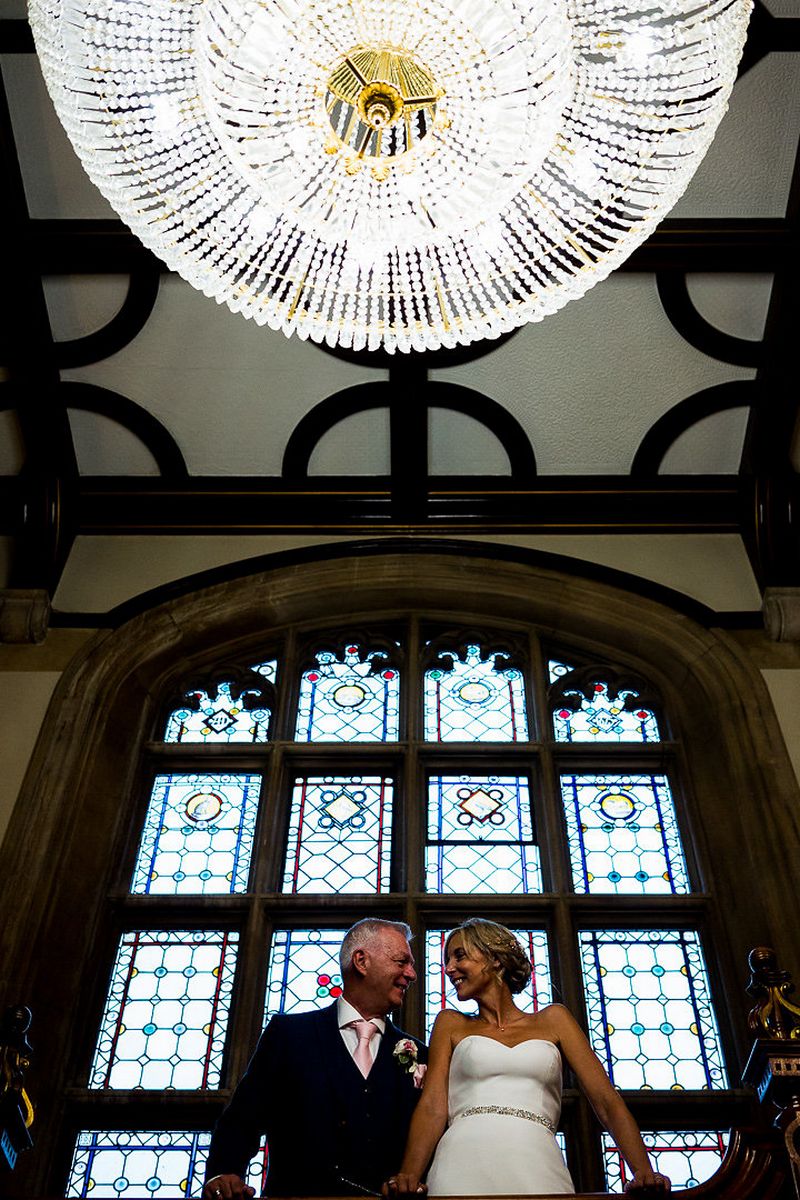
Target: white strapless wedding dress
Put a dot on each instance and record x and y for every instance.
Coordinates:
(504, 1105)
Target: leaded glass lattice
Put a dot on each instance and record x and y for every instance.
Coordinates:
(166, 1014)
(688, 1158)
(303, 970)
(440, 994)
(219, 719)
(198, 835)
(167, 1165)
(347, 700)
(473, 701)
(650, 1016)
(623, 835)
(603, 719)
(339, 835)
(480, 836)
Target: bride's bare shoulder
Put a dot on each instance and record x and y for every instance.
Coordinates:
(449, 1018)
(555, 1018)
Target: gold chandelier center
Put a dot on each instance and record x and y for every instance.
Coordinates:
(381, 103)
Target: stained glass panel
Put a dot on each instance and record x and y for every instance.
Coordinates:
(439, 994)
(303, 970)
(346, 701)
(556, 669)
(166, 1015)
(651, 1021)
(218, 719)
(623, 836)
(339, 835)
(268, 669)
(167, 1165)
(480, 836)
(473, 702)
(688, 1158)
(198, 835)
(602, 719)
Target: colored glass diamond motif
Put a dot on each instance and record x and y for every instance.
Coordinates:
(623, 835)
(481, 805)
(480, 836)
(339, 835)
(344, 700)
(474, 702)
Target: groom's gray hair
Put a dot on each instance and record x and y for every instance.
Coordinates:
(362, 933)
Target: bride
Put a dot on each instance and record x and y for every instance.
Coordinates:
(494, 1079)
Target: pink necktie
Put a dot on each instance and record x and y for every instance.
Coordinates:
(361, 1055)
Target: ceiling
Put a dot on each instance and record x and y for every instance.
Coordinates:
(665, 400)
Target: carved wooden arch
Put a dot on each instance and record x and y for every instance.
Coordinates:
(71, 821)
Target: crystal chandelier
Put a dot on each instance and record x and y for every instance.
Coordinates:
(391, 173)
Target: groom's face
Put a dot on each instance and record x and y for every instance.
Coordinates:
(389, 969)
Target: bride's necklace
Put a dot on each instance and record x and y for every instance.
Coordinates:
(511, 1021)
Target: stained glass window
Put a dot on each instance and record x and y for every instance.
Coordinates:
(268, 669)
(339, 835)
(439, 994)
(556, 669)
(348, 700)
(473, 701)
(650, 1016)
(480, 835)
(167, 1165)
(303, 970)
(198, 835)
(603, 719)
(688, 1158)
(622, 833)
(166, 1014)
(219, 718)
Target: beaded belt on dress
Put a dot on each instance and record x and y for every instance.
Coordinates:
(503, 1111)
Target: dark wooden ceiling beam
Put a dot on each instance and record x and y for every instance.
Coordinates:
(555, 504)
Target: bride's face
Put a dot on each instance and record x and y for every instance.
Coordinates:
(469, 971)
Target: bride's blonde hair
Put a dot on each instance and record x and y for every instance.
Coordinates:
(497, 943)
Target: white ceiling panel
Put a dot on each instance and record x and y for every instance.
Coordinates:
(587, 383)
(748, 168)
(229, 391)
(716, 442)
(56, 184)
(734, 304)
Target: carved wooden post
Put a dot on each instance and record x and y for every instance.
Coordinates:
(773, 1068)
(16, 1110)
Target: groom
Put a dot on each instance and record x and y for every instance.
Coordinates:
(327, 1087)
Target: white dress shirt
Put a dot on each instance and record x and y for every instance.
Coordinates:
(346, 1014)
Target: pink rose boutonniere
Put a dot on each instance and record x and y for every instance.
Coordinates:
(406, 1053)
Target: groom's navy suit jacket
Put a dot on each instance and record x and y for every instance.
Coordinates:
(323, 1120)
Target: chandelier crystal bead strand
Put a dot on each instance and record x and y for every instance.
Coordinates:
(391, 174)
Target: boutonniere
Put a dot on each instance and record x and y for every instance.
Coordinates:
(406, 1053)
